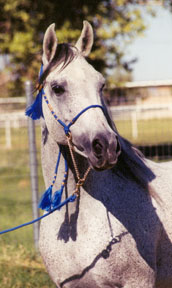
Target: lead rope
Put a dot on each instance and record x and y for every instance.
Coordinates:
(81, 181)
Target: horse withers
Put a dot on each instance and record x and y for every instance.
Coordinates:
(118, 231)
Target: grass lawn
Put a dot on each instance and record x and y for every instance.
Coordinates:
(22, 268)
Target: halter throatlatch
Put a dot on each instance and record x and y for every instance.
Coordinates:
(51, 200)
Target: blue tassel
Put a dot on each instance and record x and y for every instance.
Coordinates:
(45, 201)
(57, 198)
(35, 110)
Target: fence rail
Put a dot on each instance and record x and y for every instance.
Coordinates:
(148, 126)
(13, 100)
(143, 111)
(12, 120)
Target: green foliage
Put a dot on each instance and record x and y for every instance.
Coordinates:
(23, 23)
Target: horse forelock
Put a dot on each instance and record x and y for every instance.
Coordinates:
(64, 55)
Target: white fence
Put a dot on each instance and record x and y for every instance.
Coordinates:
(12, 120)
(12, 100)
(141, 112)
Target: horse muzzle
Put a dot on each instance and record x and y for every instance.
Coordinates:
(102, 152)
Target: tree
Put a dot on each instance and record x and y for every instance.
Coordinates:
(23, 23)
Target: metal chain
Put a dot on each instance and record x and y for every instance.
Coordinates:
(80, 180)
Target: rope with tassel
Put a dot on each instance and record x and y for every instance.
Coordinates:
(53, 201)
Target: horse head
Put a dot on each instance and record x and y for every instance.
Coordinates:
(72, 84)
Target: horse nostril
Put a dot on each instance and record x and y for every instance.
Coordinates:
(97, 147)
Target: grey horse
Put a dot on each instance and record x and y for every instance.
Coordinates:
(118, 232)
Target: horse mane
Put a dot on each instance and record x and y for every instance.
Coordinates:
(131, 162)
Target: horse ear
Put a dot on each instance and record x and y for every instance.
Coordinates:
(85, 41)
(49, 44)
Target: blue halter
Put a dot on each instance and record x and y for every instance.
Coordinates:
(48, 201)
(51, 202)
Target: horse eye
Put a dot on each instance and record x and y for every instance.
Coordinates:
(58, 89)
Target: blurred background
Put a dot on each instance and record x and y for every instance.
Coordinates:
(132, 49)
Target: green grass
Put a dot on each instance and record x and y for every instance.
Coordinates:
(20, 265)
(22, 268)
(153, 131)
